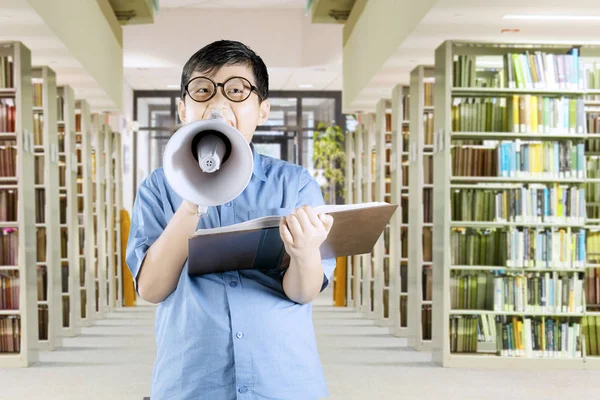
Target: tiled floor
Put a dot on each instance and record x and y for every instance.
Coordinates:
(113, 360)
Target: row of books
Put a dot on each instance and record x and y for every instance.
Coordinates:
(38, 170)
(593, 247)
(62, 175)
(60, 108)
(7, 78)
(10, 334)
(41, 244)
(64, 277)
(63, 209)
(591, 333)
(520, 159)
(536, 70)
(37, 94)
(66, 310)
(519, 114)
(43, 318)
(9, 244)
(64, 243)
(428, 205)
(7, 115)
(40, 206)
(593, 79)
(38, 129)
(429, 92)
(426, 324)
(519, 248)
(427, 282)
(8, 158)
(527, 204)
(9, 291)
(547, 292)
(427, 129)
(593, 127)
(538, 337)
(592, 287)
(8, 205)
(42, 283)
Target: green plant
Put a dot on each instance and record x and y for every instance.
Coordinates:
(329, 156)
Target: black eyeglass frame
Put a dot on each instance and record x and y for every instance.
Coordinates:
(222, 85)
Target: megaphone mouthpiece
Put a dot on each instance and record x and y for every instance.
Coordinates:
(211, 151)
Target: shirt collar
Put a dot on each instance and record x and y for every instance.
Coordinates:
(258, 166)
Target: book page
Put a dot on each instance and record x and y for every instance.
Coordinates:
(273, 221)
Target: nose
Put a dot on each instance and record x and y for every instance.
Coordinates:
(219, 100)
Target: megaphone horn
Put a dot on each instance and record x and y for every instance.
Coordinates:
(208, 162)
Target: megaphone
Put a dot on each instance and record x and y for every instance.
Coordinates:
(208, 162)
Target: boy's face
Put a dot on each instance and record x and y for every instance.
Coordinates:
(244, 116)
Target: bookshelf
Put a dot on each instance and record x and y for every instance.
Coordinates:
(381, 261)
(368, 166)
(591, 324)
(19, 319)
(109, 213)
(519, 201)
(85, 218)
(100, 271)
(118, 205)
(399, 221)
(45, 146)
(357, 167)
(349, 197)
(69, 225)
(420, 207)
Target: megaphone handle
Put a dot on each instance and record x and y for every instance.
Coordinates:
(202, 211)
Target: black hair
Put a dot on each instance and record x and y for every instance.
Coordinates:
(218, 54)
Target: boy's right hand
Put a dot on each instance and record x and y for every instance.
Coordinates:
(189, 207)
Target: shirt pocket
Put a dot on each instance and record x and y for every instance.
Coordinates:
(266, 212)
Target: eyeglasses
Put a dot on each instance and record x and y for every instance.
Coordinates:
(236, 89)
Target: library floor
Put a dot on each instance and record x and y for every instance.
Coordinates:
(113, 360)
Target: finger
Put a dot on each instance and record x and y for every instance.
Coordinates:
(305, 223)
(285, 233)
(313, 217)
(294, 226)
(327, 221)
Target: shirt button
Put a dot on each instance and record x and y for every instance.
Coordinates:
(243, 389)
(239, 335)
(228, 204)
(233, 284)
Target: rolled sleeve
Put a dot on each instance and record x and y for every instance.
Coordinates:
(310, 194)
(147, 223)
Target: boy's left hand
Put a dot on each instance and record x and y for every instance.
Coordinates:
(303, 232)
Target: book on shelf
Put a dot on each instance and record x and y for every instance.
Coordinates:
(66, 309)
(521, 159)
(257, 243)
(426, 319)
(593, 129)
(9, 290)
(7, 115)
(7, 77)
(10, 334)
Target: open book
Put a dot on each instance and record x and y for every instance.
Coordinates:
(256, 244)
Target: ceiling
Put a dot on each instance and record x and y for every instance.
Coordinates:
(298, 54)
(19, 22)
(480, 21)
(165, 4)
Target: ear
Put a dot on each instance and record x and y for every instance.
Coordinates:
(265, 110)
(181, 110)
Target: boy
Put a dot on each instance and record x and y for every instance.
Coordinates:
(244, 334)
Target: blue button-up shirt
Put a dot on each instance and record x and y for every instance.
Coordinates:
(232, 335)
